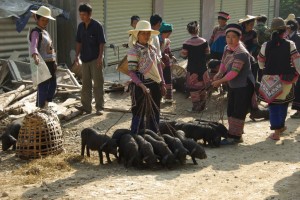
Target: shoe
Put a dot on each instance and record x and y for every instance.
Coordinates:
(296, 115)
(231, 141)
(82, 109)
(99, 112)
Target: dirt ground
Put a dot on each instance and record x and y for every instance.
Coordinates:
(256, 169)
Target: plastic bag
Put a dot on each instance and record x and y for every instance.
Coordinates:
(40, 72)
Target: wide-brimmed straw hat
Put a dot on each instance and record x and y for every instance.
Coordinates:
(248, 18)
(278, 24)
(143, 25)
(43, 11)
(291, 16)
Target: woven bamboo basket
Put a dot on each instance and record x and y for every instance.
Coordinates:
(40, 135)
(123, 66)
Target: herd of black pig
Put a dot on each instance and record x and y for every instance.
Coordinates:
(146, 149)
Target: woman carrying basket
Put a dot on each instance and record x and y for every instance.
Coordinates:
(147, 77)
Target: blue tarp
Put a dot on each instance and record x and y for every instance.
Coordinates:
(21, 10)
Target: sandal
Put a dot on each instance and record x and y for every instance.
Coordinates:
(274, 136)
(231, 141)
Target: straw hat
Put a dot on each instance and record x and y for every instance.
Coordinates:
(278, 24)
(290, 17)
(248, 18)
(143, 25)
(43, 11)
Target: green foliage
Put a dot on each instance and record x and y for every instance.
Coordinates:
(289, 6)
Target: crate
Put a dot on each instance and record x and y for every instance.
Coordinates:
(40, 135)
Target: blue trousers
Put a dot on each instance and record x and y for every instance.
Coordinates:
(278, 113)
(46, 89)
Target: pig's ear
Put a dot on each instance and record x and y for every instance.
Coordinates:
(102, 146)
(12, 139)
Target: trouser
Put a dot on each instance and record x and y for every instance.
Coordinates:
(46, 89)
(197, 91)
(278, 113)
(168, 80)
(239, 103)
(139, 107)
(296, 102)
(92, 74)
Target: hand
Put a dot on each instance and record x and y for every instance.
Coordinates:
(76, 61)
(144, 88)
(163, 90)
(99, 62)
(36, 59)
(217, 76)
(216, 83)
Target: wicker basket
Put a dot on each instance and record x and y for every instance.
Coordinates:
(123, 66)
(40, 135)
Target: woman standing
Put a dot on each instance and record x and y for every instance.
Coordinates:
(237, 67)
(167, 56)
(275, 59)
(294, 36)
(41, 43)
(196, 50)
(217, 40)
(250, 40)
(146, 74)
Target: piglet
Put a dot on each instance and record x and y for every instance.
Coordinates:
(9, 138)
(176, 147)
(128, 151)
(195, 150)
(94, 141)
(146, 151)
(161, 149)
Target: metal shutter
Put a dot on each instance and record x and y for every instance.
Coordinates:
(180, 13)
(236, 9)
(218, 7)
(118, 23)
(98, 10)
(11, 40)
(265, 7)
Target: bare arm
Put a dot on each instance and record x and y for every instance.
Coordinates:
(78, 49)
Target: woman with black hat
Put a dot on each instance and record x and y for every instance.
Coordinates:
(237, 67)
(217, 40)
(276, 88)
(293, 35)
(197, 51)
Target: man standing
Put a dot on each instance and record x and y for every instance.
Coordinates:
(90, 42)
(155, 21)
(263, 33)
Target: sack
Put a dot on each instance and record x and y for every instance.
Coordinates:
(123, 66)
(40, 72)
(270, 87)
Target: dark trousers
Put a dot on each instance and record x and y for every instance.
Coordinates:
(239, 101)
(46, 89)
(278, 113)
(296, 102)
(139, 108)
(168, 80)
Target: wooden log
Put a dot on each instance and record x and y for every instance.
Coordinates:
(21, 103)
(111, 109)
(26, 93)
(70, 114)
(11, 97)
(58, 84)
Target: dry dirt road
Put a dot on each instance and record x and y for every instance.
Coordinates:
(256, 169)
